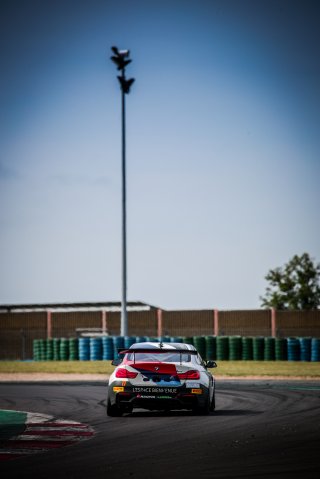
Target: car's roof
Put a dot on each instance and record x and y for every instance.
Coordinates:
(166, 346)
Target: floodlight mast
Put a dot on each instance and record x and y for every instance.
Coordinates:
(121, 59)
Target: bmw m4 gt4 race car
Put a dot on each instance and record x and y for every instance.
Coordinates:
(162, 376)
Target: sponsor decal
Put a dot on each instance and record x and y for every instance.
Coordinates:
(190, 384)
(124, 383)
(196, 391)
(148, 396)
(153, 390)
(118, 389)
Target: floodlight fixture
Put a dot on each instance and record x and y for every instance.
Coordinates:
(120, 62)
(120, 58)
(121, 53)
(125, 84)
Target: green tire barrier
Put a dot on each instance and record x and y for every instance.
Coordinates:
(56, 349)
(36, 349)
(73, 349)
(211, 350)
(222, 348)
(39, 349)
(187, 339)
(258, 348)
(42, 349)
(281, 349)
(200, 345)
(49, 350)
(269, 354)
(247, 349)
(64, 349)
(235, 348)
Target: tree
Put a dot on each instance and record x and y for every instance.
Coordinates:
(295, 286)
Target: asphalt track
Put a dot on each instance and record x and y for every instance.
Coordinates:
(261, 429)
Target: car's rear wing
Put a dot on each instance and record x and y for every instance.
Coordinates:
(157, 350)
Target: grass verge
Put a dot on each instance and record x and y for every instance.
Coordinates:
(225, 368)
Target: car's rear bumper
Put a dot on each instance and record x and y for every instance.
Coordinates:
(129, 397)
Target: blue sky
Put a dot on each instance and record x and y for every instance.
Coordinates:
(223, 139)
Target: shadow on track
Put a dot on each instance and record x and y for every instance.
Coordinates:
(184, 413)
(236, 412)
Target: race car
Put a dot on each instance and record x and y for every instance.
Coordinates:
(161, 376)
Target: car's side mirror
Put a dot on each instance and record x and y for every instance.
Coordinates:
(116, 362)
(211, 364)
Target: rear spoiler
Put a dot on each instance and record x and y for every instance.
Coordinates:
(157, 350)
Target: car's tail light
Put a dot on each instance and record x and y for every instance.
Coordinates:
(192, 374)
(124, 373)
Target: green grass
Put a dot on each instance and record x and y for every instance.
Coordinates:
(267, 368)
(225, 368)
(58, 367)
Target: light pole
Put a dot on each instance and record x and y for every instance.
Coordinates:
(121, 59)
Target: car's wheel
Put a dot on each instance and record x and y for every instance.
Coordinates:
(113, 410)
(205, 409)
(213, 402)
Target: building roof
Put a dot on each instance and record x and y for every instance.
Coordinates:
(113, 306)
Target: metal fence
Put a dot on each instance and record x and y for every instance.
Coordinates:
(18, 330)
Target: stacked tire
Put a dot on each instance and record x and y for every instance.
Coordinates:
(222, 348)
(107, 348)
(187, 339)
(64, 349)
(305, 349)
(315, 349)
(211, 350)
(258, 348)
(84, 349)
(235, 348)
(200, 345)
(49, 349)
(293, 349)
(247, 349)
(56, 349)
(73, 349)
(118, 343)
(95, 349)
(281, 349)
(39, 349)
(269, 349)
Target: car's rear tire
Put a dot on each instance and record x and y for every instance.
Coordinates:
(205, 409)
(213, 402)
(113, 410)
